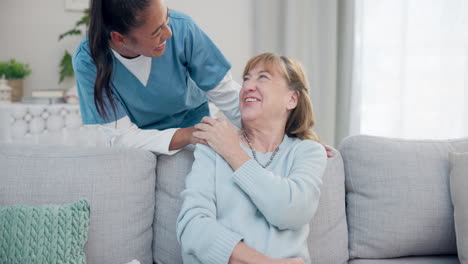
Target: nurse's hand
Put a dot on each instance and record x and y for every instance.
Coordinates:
(329, 151)
(224, 138)
(183, 137)
(220, 134)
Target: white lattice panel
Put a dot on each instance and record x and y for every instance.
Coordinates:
(47, 124)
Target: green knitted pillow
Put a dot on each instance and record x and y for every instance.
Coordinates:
(44, 234)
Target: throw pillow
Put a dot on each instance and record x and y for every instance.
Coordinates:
(119, 184)
(458, 188)
(44, 234)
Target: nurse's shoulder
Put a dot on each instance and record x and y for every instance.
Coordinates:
(181, 21)
(82, 57)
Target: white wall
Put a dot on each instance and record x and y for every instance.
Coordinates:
(228, 23)
(29, 31)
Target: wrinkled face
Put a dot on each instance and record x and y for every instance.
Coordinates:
(265, 95)
(149, 39)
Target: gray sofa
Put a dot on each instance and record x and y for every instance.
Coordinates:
(383, 200)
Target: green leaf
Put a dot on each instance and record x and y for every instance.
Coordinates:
(4, 69)
(83, 21)
(71, 32)
(14, 70)
(66, 67)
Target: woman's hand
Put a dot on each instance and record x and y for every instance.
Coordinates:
(224, 138)
(281, 261)
(244, 254)
(286, 261)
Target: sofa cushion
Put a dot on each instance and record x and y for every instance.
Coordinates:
(459, 192)
(398, 197)
(170, 182)
(328, 236)
(410, 260)
(118, 183)
(47, 233)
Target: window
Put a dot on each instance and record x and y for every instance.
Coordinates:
(411, 68)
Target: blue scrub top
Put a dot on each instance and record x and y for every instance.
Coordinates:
(175, 93)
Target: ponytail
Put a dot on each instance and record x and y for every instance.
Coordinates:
(98, 36)
(106, 16)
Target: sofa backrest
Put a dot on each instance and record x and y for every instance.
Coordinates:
(398, 197)
(119, 184)
(328, 239)
(170, 182)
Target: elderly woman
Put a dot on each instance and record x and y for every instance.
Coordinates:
(249, 198)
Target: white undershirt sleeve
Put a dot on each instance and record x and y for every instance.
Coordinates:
(226, 97)
(123, 133)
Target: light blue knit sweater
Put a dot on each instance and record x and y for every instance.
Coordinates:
(269, 209)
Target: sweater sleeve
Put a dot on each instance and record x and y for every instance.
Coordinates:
(286, 201)
(198, 231)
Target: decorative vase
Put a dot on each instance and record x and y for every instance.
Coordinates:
(5, 91)
(71, 95)
(17, 89)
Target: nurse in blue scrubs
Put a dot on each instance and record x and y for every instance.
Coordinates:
(145, 74)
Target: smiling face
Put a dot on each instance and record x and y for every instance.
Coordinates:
(265, 95)
(149, 39)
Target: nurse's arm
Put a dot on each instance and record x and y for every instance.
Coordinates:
(226, 97)
(124, 133)
(184, 136)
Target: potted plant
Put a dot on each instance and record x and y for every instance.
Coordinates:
(66, 67)
(15, 72)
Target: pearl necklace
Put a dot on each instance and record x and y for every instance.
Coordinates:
(254, 154)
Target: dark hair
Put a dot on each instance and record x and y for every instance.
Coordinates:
(106, 16)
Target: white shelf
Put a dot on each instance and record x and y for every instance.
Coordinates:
(76, 5)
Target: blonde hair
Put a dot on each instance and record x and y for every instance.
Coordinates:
(301, 119)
